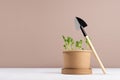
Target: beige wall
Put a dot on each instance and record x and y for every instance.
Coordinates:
(30, 30)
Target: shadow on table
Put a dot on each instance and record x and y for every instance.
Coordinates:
(51, 72)
(55, 72)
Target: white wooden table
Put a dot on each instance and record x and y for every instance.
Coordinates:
(55, 74)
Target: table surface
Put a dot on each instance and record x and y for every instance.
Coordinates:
(55, 74)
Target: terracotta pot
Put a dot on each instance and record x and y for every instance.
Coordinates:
(77, 62)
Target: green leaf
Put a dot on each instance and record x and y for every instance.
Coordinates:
(77, 43)
(87, 42)
(64, 38)
(65, 46)
(69, 40)
(80, 42)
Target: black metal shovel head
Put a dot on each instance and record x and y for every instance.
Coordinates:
(81, 22)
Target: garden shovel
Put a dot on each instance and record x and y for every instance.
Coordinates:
(83, 24)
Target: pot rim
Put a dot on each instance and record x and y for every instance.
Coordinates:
(76, 51)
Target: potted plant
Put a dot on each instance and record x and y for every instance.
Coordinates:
(76, 58)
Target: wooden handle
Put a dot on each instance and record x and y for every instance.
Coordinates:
(96, 56)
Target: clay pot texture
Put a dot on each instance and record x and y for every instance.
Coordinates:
(77, 59)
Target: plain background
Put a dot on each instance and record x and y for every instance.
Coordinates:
(31, 30)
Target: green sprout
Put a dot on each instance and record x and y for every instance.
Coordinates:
(70, 44)
(79, 44)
